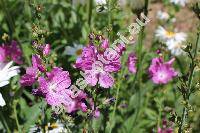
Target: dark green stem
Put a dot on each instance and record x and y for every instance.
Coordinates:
(4, 123)
(187, 96)
(139, 62)
(90, 6)
(16, 118)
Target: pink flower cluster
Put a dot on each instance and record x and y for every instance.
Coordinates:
(12, 52)
(131, 63)
(164, 128)
(98, 62)
(54, 87)
(162, 72)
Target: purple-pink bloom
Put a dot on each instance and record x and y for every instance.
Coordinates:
(54, 89)
(15, 52)
(11, 51)
(2, 54)
(47, 49)
(131, 63)
(87, 58)
(162, 72)
(57, 80)
(95, 110)
(32, 72)
(76, 103)
(165, 128)
(98, 64)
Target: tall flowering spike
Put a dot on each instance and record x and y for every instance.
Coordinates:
(132, 60)
(162, 72)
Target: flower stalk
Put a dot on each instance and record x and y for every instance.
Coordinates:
(186, 96)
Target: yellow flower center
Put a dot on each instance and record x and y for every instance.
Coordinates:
(79, 52)
(170, 34)
(54, 125)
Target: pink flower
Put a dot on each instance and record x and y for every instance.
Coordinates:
(164, 128)
(76, 103)
(95, 110)
(162, 72)
(2, 54)
(87, 58)
(46, 49)
(57, 80)
(98, 64)
(32, 72)
(15, 52)
(11, 51)
(132, 59)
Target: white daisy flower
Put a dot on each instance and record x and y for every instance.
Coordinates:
(175, 47)
(165, 35)
(2, 102)
(7, 72)
(101, 2)
(162, 15)
(56, 127)
(75, 50)
(179, 2)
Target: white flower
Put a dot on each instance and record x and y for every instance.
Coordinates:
(7, 72)
(2, 102)
(101, 2)
(175, 47)
(179, 2)
(56, 127)
(173, 40)
(75, 50)
(162, 15)
(165, 35)
(101, 6)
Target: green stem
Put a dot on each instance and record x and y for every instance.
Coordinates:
(187, 97)
(4, 122)
(16, 118)
(8, 17)
(115, 107)
(90, 6)
(110, 23)
(139, 62)
(116, 101)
